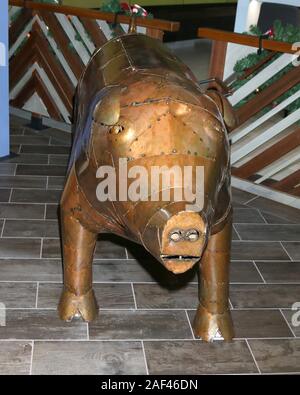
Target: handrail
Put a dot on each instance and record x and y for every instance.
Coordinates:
(245, 39)
(161, 24)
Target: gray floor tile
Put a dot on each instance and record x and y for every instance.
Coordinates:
(66, 358)
(259, 323)
(247, 215)
(7, 169)
(153, 296)
(256, 323)
(244, 272)
(109, 296)
(276, 219)
(56, 182)
(45, 149)
(105, 249)
(37, 170)
(4, 195)
(121, 271)
(258, 250)
(20, 248)
(293, 318)
(31, 228)
(264, 295)
(241, 197)
(280, 272)
(52, 209)
(234, 235)
(18, 295)
(22, 182)
(29, 159)
(277, 356)
(30, 140)
(15, 358)
(278, 209)
(51, 248)
(41, 324)
(35, 196)
(197, 357)
(293, 249)
(269, 232)
(140, 324)
(110, 247)
(31, 270)
(58, 159)
(22, 211)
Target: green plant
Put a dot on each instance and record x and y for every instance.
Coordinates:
(279, 32)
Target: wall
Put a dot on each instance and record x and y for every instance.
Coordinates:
(4, 118)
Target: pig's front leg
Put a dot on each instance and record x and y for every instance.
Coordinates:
(77, 298)
(213, 315)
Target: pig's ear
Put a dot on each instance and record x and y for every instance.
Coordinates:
(225, 108)
(107, 110)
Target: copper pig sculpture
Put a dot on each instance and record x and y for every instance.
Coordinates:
(137, 101)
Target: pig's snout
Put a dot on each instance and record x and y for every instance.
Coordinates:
(183, 241)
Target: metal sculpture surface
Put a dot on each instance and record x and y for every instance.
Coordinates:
(137, 102)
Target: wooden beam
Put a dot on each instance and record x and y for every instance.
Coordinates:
(269, 156)
(63, 42)
(245, 39)
(160, 24)
(268, 95)
(217, 60)
(288, 182)
(97, 36)
(18, 25)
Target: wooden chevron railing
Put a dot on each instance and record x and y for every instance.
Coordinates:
(265, 146)
(51, 44)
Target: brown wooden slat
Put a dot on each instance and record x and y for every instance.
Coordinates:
(20, 63)
(92, 14)
(19, 25)
(62, 42)
(24, 95)
(288, 182)
(54, 70)
(47, 99)
(97, 36)
(268, 95)
(257, 66)
(217, 60)
(245, 39)
(35, 84)
(155, 33)
(37, 50)
(269, 156)
(295, 191)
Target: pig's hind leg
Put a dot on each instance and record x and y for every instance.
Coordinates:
(78, 245)
(213, 316)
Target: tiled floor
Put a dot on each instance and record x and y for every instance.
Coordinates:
(144, 322)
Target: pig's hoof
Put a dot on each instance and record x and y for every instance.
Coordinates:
(211, 326)
(71, 306)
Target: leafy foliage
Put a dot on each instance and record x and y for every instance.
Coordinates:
(286, 33)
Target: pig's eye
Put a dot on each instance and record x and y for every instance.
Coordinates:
(192, 235)
(175, 235)
(116, 129)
